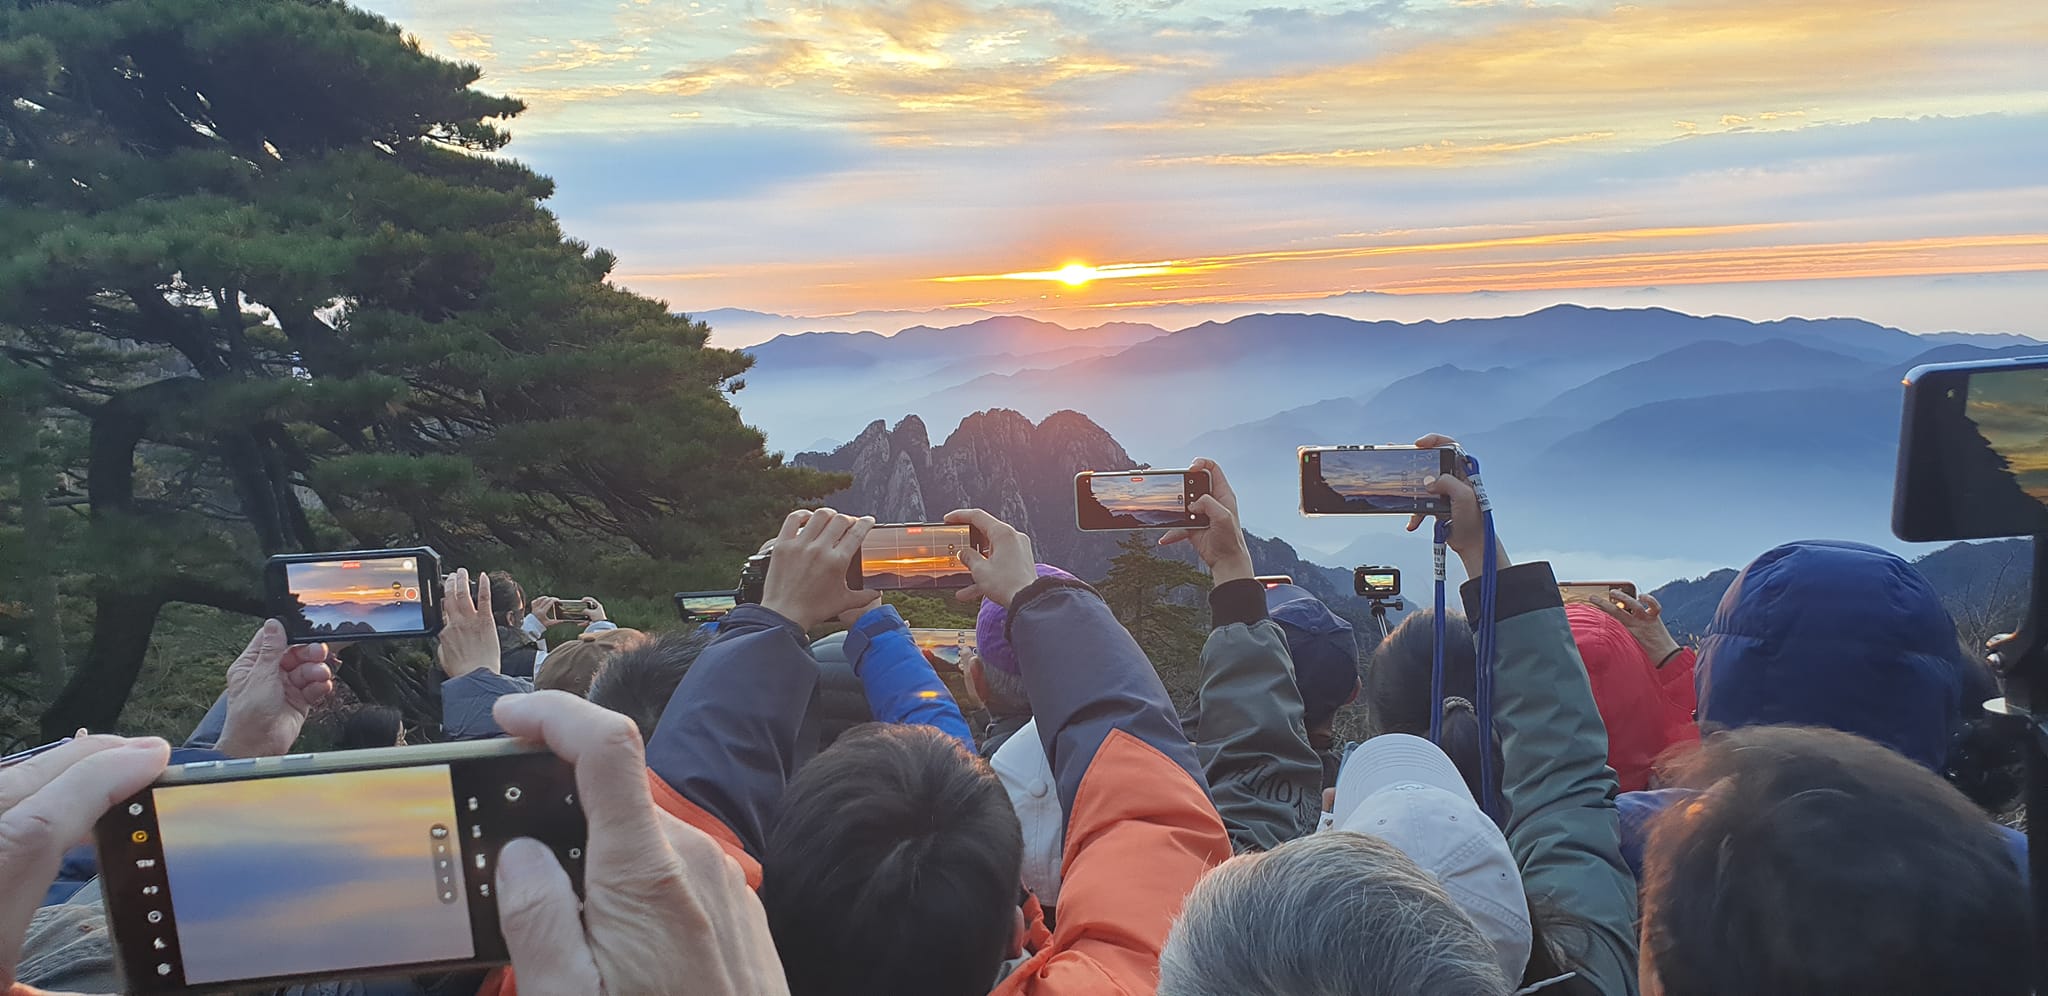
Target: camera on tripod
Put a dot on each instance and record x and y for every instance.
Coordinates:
(1376, 582)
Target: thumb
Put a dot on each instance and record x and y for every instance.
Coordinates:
(538, 913)
(267, 644)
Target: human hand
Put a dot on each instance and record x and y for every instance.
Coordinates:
(1468, 526)
(853, 615)
(1645, 621)
(665, 910)
(1221, 546)
(806, 581)
(48, 804)
(469, 634)
(272, 687)
(593, 611)
(1009, 566)
(542, 607)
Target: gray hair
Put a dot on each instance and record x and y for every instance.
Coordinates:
(1332, 914)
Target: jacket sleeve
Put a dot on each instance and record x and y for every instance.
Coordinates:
(208, 732)
(1249, 735)
(900, 684)
(466, 703)
(1141, 830)
(733, 732)
(1562, 824)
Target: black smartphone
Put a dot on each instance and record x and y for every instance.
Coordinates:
(1373, 480)
(18, 757)
(356, 595)
(1376, 582)
(1594, 591)
(1973, 452)
(704, 606)
(914, 556)
(1139, 499)
(253, 873)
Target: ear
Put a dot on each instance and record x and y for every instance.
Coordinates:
(1017, 937)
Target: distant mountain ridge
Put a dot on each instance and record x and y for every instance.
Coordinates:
(1640, 441)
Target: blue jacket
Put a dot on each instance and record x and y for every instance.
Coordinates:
(1843, 636)
(900, 684)
(1837, 635)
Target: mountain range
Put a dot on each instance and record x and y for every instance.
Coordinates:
(1638, 443)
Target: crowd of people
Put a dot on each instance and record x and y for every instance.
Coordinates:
(1800, 805)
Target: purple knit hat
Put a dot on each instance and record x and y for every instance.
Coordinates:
(989, 639)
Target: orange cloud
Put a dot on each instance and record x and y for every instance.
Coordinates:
(1438, 153)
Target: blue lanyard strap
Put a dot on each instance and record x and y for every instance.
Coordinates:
(1483, 630)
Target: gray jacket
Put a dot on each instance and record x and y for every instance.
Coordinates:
(1247, 727)
(1562, 825)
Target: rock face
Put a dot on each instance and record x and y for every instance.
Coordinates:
(1024, 474)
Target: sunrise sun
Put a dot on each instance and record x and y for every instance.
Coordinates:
(1076, 274)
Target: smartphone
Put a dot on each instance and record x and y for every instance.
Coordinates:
(945, 644)
(914, 556)
(357, 595)
(1373, 480)
(1376, 582)
(571, 610)
(18, 757)
(1139, 499)
(1594, 591)
(704, 606)
(1973, 451)
(247, 873)
(1273, 580)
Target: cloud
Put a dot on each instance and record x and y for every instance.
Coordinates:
(1440, 153)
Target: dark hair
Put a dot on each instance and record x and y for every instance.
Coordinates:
(1815, 861)
(894, 868)
(368, 726)
(1397, 690)
(638, 681)
(506, 596)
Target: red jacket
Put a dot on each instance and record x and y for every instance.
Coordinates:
(1647, 709)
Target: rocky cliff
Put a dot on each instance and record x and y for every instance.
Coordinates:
(1024, 474)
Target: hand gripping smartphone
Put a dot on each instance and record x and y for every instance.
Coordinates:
(227, 875)
(1139, 499)
(1373, 480)
(357, 595)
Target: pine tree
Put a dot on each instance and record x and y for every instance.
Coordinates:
(1151, 596)
(264, 258)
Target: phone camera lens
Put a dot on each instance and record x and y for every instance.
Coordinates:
(512, 793)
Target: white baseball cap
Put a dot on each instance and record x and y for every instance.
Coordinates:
(1405, 791)
(1026, 775)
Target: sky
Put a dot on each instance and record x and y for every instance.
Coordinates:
(1087, 161)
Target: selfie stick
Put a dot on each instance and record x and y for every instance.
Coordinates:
(1482, 668)
(2025, 663)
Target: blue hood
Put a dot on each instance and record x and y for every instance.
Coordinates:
(1840, 635)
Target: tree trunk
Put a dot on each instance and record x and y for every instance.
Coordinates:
(46, 634)
(98, 690)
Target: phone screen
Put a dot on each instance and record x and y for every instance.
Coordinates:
(1974, 464)
(324, 874)
(1371, 482)
(915, 557)
(1146, 499)
(945, 644)
(697, 606)
(1595, 591)
(353, 597)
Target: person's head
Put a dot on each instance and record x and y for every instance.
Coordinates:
(893, 868)
(638, 680)
(367, 726)
(1324, 649)
(1815, 862)
(1838, 635)
(1397, 689)
(571, 667)
(508, 600)
(1330, 914)
(996, 677)
(1642, 720)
